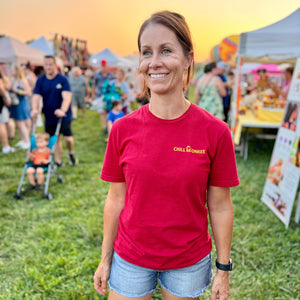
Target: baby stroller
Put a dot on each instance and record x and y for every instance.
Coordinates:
(50, 170)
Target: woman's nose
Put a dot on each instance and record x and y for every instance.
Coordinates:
(155, 60)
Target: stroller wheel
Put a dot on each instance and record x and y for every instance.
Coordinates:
(48, 196)
(61, 179)
(18, 196)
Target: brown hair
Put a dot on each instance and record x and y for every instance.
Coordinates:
(176, 23)
(50, 57)
(290, 70)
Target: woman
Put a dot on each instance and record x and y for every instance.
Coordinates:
(209, 91)
(162, 160)
(282, 91)
(290, 118)
(20, 112)
(4, 115)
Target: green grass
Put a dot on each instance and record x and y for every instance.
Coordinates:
(50, 250)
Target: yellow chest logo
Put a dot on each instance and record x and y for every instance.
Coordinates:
(189, 149)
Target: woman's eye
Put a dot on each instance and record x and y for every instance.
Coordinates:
(166, 51)
(146, 53)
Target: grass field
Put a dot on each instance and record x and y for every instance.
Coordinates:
(50, 250)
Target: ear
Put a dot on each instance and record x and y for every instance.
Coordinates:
(189, 60)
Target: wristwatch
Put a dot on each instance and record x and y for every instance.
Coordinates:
(63, 110)
(227, 267)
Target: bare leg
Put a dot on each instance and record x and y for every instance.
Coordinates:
(83, 111)
(103, 119)
(69, 143)
(40, 175)
(23, 130)
(114, 296)
(166, 295)
(3, 135)
(30, 175)
(74, 111)
(11, 127)
(29, 125)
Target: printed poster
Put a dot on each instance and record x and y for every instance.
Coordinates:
(284, 171)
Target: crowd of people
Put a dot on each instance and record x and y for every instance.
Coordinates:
(25, 95)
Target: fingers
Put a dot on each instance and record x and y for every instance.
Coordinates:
(100, 285)
(213, 296)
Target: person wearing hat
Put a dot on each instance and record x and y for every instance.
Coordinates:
(100, 78)
(222, 66)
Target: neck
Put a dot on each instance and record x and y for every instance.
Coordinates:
(168, 107)
(51, 76)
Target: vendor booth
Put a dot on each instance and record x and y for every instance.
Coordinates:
(274, 44)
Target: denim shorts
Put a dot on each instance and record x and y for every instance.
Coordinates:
(129, 280)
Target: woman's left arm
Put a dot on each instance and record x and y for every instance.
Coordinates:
(221, 219)
(26, 90)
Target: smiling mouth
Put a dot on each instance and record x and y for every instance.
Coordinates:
(158, 75)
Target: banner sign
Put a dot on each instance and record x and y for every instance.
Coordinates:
(284, 171)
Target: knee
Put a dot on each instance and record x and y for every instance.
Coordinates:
(40, 171)
(30, 171)
(69, 139)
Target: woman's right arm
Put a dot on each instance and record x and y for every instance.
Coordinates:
(112, 210)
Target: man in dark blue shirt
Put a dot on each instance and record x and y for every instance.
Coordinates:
(55, 92)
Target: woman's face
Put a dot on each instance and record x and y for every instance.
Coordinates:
(162, 61)
(294, 114)
(14, 72)
(119, 75)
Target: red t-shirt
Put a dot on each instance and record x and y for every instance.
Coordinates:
(167, 166)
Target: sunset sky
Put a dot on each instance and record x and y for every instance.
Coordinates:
(114, 24)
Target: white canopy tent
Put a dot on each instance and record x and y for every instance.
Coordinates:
(276, 43)
(113, 60)
(13, 51)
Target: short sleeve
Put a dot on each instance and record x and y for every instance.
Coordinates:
(110, 117)
(66, 85)
(223, 167)
(37, 87)
(112, 169)
(125, 87)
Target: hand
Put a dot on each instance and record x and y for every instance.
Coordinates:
(220, 286)
(101, 277)
(31, 156)
(59, 113)
(34, 113)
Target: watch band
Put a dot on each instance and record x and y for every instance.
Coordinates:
(227, 267)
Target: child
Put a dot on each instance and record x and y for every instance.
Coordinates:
(115, 114)
(40, 157)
